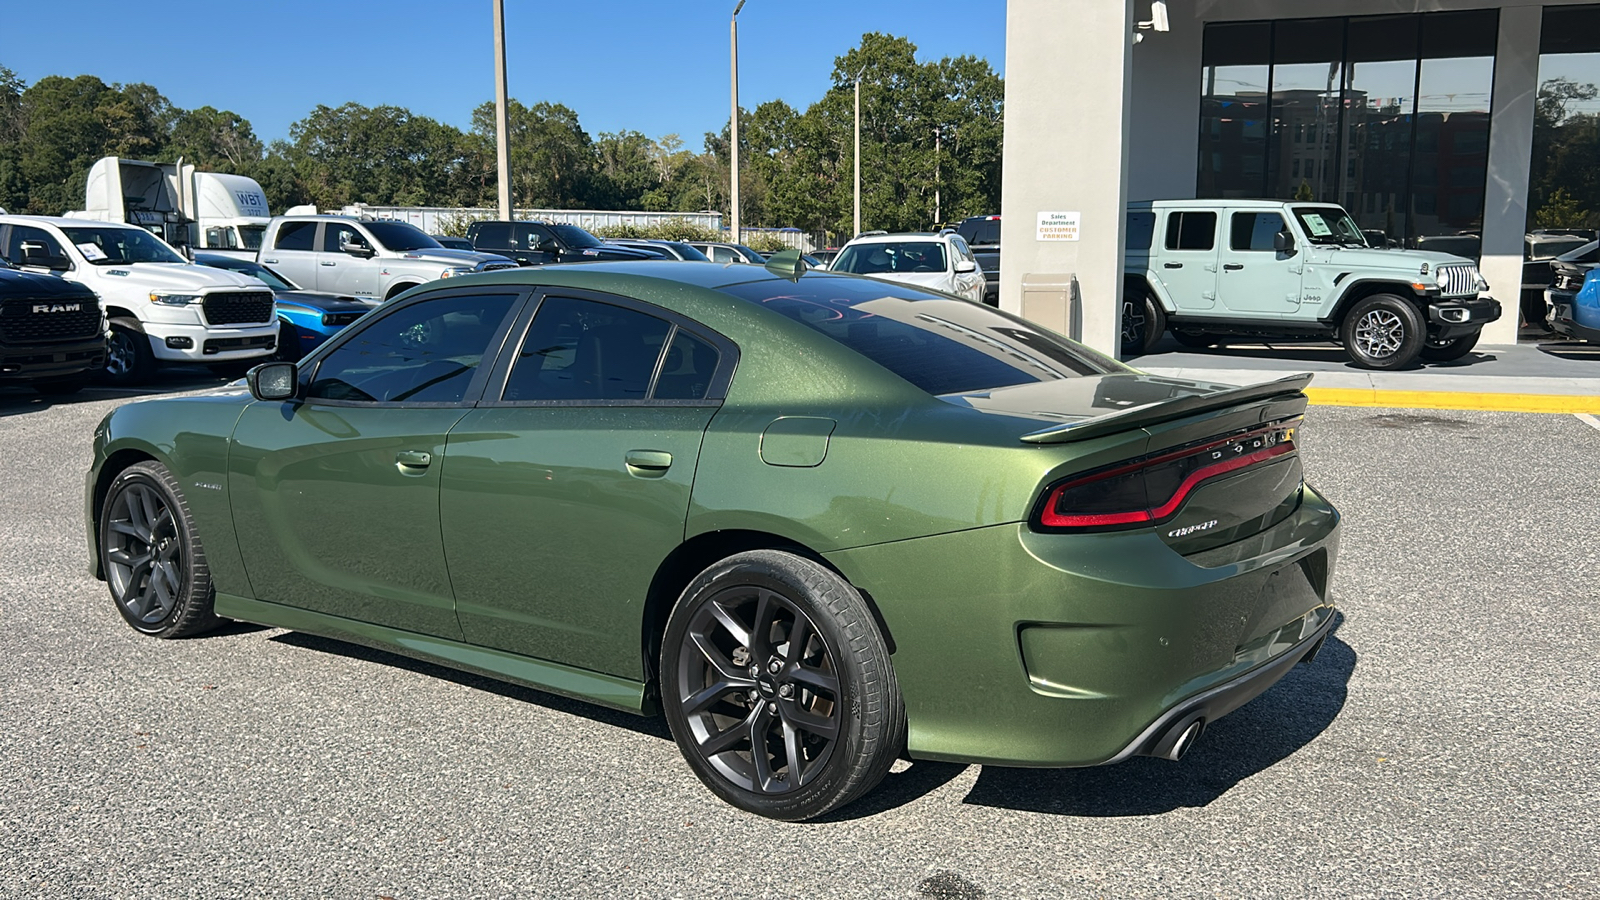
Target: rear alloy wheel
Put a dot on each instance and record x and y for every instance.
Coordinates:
(1455, 348)
(1383, 332)
(129, 359)
(151, 555)
(778, 686)
(1143, 322)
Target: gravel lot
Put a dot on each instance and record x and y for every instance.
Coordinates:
(1444, 744)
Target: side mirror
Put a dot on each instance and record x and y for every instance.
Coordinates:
(354, 249)
(966, 265)
(274, 381)
(1283, 242)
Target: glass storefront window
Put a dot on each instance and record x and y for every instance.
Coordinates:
(1564, 183)
(1386, 115)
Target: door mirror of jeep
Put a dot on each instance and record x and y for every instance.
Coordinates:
(1283, 242)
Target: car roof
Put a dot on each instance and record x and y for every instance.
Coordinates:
(902, 236)
(62, 221)
(1225, 203)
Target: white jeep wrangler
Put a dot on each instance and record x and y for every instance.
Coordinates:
(1268, 269)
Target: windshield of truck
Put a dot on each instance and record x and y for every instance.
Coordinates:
(400, 236)
(107, 246)
(1330, 225)
(251, 235)
(573, 236)
(880, 257)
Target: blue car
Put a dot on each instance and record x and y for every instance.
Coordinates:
(305, 318)
(1578, 315)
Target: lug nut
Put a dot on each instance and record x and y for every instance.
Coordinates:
(785, 691)
(772, 707)
(775, 666)
(755, 696)
(755, 671)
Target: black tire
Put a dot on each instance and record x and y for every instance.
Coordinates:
(1143, 322)
(129, 359)
(825, 708)
(151, 556)
(1444, 351)
(61, 387)
(1383, 331)
(1195, 339)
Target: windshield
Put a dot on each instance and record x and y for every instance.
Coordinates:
(251, 236)
(940, 344)
(573, 236)
(1329, 225)
(119, 246)
(401, 236)
(880, 257)
(254, 270)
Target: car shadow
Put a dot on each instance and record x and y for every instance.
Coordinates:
(1246, 742)
(1571, 350)
(653, 726)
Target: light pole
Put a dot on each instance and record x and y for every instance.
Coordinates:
(733, 39)
(859, 73)
(502, 142)
(938, 138)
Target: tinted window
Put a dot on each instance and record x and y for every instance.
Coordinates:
(334, 234)
(1254, 231)
(493, 234)
(401, 236)
(583, 350)
(422, 353)
(36, 239)
(942, 346)
(686, 372)
(1141, 230)
(296, 235)
(573, 236)
(1191, 230)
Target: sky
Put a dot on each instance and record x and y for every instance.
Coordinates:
(653, 67)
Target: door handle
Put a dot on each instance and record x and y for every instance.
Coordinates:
(647, 463)
(1233, 267)
(412, 462)
(330, 264)
(1172, 265)
(272, 261)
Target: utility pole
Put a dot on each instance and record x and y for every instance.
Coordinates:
(858, 153)
(502, 141)
(733, 38)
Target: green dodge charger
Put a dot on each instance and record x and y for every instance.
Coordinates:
(816, 520)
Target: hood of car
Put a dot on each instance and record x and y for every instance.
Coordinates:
(317, 300)
(179, 277)
(936, 280)
(1407, 260)
(446, 257)
(17, 283)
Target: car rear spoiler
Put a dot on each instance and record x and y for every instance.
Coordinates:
(1167, 410)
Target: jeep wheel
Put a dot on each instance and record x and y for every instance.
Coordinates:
(1383, 332)
(1143, 322)
(1455, 348)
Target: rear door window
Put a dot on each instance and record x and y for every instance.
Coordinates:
(1141, 230)
(1191, 230)
(296, 236)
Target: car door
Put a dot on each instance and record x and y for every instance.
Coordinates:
(294, 252)
(563, 494)
(1188, 264)
(336, 495)
(1256, 280)
(339, 272)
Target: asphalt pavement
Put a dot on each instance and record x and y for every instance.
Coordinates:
(1442, 745)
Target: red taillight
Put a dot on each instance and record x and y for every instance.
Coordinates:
(1150, 490)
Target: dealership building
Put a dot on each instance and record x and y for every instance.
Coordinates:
(1425, 119)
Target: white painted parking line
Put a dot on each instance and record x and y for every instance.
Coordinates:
(1591, 421)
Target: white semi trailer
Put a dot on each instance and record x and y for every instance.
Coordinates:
(185, 207)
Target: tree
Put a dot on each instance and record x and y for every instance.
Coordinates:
(552, 158)
(214, 140)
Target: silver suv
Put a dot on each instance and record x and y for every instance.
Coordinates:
(1210, 269)
(366, 258)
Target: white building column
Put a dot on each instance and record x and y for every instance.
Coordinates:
(1068, 82)
(1505, 202)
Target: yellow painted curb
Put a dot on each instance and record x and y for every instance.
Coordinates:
(1534, 403)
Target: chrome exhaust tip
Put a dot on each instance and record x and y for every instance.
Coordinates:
(1177, 740)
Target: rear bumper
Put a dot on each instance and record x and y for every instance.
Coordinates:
(1024, 649)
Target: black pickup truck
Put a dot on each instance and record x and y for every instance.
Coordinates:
(982, 234)
(538, 243)
(52, 331)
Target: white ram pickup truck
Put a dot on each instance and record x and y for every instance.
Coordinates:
(160, 306)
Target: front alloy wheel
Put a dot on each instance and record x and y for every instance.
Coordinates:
(1383, 331)
(778, 687)
(151, 556)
